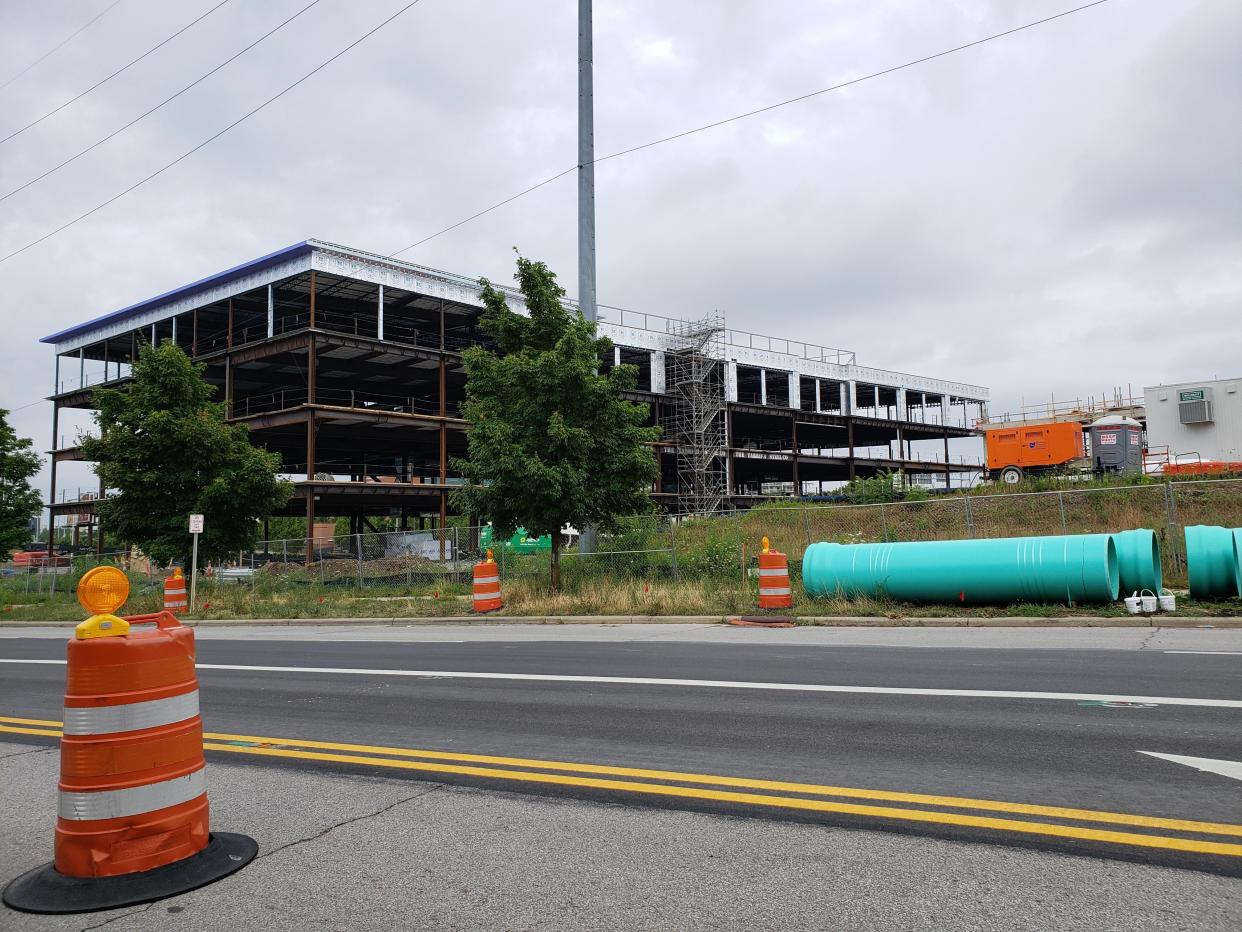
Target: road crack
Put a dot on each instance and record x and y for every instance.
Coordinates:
(350, 821)
(27, 751)
(124, 915)
(1146, 642)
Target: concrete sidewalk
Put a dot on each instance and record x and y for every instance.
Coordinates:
(359, 852)
(827, 621)
(1227, 640)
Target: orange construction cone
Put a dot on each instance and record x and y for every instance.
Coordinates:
(132, 825)
(774, 591)
(174, 592)
(487, 586)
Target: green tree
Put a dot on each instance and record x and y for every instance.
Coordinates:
(167, 452)
(551, 441)
(19, 502)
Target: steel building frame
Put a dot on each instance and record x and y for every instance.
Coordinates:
(349, 364)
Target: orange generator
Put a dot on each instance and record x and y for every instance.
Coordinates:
(1019, 450)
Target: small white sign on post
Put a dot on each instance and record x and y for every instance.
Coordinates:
(196, 528)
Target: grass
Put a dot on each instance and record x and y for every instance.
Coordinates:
(529, 595)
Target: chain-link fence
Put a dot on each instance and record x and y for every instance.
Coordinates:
(660, 548)
(1166, 508)
(371, 560)
(50, 578)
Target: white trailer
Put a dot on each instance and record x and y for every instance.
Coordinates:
(1196, 423)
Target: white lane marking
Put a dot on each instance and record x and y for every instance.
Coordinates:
(358, 640)
(722, 684)
(1229, 653)
(1226, 768)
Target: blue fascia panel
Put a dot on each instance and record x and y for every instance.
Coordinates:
(237, 271)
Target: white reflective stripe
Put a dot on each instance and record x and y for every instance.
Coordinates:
(487, 579)
(110, 719)
(775, 572)
(117, 804)
(772, 590)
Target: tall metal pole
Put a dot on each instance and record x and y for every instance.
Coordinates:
(586, 165)
(194, 572)
(586, 196)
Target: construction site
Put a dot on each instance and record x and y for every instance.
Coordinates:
(348, 364)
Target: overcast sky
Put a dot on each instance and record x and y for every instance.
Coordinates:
(1055, 213)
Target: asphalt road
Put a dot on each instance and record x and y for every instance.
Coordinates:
(967, 756)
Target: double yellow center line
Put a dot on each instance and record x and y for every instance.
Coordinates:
(1052, 821)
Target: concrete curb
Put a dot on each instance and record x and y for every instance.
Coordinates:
(1073, 621)
(839, 621)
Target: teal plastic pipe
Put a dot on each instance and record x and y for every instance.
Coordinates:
(1071, 568)
(1212, 561)
(1138, 561)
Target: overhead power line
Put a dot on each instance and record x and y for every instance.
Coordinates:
(167, 100)
(61, 43)
(29, 404)
(211, 139)
(487, 210)
(750, 113)
(123, 68)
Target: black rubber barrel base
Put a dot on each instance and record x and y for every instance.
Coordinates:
(46, 890)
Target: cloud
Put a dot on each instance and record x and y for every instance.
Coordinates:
(1054, 213)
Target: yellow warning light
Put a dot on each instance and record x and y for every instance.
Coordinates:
(766, 545)
(489, 555)
(103, 590)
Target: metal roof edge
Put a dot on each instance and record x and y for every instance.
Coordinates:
(252, 265)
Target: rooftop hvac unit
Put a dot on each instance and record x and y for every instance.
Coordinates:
(1194, 406)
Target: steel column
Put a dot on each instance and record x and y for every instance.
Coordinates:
(849, 434)
(948, 475)
(51, 515)
(312, 371)
(379, 310)
(796, 483)
(310, 490)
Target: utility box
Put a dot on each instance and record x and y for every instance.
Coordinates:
(1116, 445)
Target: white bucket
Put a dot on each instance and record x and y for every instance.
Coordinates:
(1168, 601)
(1149, 601)
(1134, 604)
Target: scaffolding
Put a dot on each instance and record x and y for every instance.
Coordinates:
(695, 367)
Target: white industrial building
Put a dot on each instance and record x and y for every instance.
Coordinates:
(1195, 422)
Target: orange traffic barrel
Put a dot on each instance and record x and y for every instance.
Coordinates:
(487, 586)
(132, 820)
(774, 591)
(174, 592)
